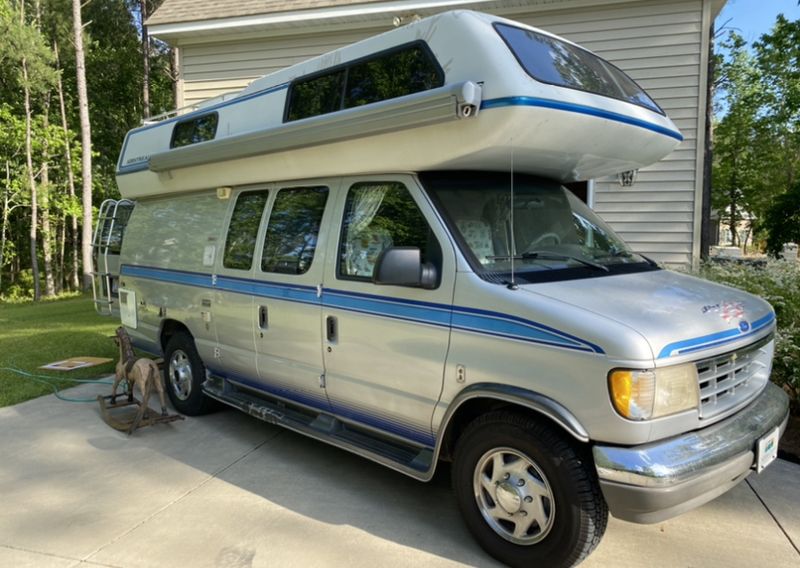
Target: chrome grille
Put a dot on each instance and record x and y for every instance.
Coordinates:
(729, 380)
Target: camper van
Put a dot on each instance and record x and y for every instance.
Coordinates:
(376, 248)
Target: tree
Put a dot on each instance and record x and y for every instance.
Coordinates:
(783, 220)
(735, 166)
(86, 143)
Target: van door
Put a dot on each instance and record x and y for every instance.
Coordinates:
(386, 346)
(287, 310)
(235, 354)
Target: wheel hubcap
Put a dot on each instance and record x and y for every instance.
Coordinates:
(180, 373)
(514, 496)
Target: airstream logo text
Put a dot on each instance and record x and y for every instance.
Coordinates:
(137, 159)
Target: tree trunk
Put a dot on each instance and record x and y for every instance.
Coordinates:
(86, 142)
(145, 61)
(47, 248)
(74, 281)
(4, 228)
(31, 181)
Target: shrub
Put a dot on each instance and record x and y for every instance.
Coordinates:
(778, 282)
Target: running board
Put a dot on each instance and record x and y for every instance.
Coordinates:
(411, 460)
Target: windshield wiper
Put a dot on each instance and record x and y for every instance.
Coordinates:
(545, 255)
(627, 254)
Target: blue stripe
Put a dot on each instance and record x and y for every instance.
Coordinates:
(139, 166)
(715, 339)
(580, 109)
(321, 403)
(495, 324)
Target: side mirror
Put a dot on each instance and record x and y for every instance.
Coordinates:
(403, 266)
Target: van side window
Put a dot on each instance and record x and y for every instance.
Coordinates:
(242, 232)
(379, 215)
(293, 229)
(194, 130)
(395, 73)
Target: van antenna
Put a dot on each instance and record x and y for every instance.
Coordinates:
(513, 284)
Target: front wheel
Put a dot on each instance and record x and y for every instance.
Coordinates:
(184, 374)
(526, 493)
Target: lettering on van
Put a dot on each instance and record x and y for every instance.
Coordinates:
(137, 159)
(726, 310)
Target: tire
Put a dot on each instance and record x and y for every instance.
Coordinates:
(527, 494)
(184, 374)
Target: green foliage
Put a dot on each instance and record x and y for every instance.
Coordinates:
(779, 284)
(783, 220)
(757, 138)
(34, 334)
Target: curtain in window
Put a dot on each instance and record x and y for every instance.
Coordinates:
(366, 202)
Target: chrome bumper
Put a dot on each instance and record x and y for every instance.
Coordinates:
(653, 482)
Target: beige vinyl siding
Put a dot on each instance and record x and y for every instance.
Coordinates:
(659, 44)
(210, 70)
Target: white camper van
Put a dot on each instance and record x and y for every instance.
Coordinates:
(375, 248)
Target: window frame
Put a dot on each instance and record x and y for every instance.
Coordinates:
(258, 268)
(440, 74)
(340, 275)
(178, 123)
(257, 245)
(496, 25)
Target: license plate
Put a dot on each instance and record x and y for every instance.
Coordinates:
(767, 450)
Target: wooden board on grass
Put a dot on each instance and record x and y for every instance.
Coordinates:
(75, 363)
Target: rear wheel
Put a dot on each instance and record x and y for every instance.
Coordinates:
(184, 374)
(526, 493)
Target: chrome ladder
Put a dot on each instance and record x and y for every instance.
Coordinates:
(106, 242)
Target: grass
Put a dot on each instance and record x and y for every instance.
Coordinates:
(34, 334)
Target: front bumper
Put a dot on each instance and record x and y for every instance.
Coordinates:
(656, 481)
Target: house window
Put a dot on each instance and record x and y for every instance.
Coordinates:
(194, 130)
(293, 230)
(553, 61)
(396, 73)
(241, 241)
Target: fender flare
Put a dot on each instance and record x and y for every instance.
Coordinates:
(519, 396)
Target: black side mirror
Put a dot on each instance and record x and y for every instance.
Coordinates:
(403, 266)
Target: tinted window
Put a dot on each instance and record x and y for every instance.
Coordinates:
(386, 76)
(379, 215)
(243, 230)
(319, 95)
(557, 62)
(393, 75)
(194, 130)
(293, 230)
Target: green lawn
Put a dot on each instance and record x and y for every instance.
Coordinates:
(34, 334)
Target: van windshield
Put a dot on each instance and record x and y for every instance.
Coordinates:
(553, 61)
(555, 235)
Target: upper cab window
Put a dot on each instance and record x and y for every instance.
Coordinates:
(379, 215)
(293, 230)
(194, 130)
(399, 72)
(550, 60)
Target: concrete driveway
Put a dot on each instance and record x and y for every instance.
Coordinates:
(226, 490)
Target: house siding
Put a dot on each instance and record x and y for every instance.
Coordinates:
(659, 44)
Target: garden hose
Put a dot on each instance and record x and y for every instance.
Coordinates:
(47, 380)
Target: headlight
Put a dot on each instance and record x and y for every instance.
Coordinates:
(642, 395)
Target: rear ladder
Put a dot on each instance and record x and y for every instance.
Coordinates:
(106, 245)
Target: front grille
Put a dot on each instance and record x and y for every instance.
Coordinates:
(727, 381)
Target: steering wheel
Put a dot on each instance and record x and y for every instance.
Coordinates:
(546, 238)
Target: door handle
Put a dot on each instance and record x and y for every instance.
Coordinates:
(263, 317)
(331, 328)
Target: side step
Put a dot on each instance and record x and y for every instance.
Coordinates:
(411, 460)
